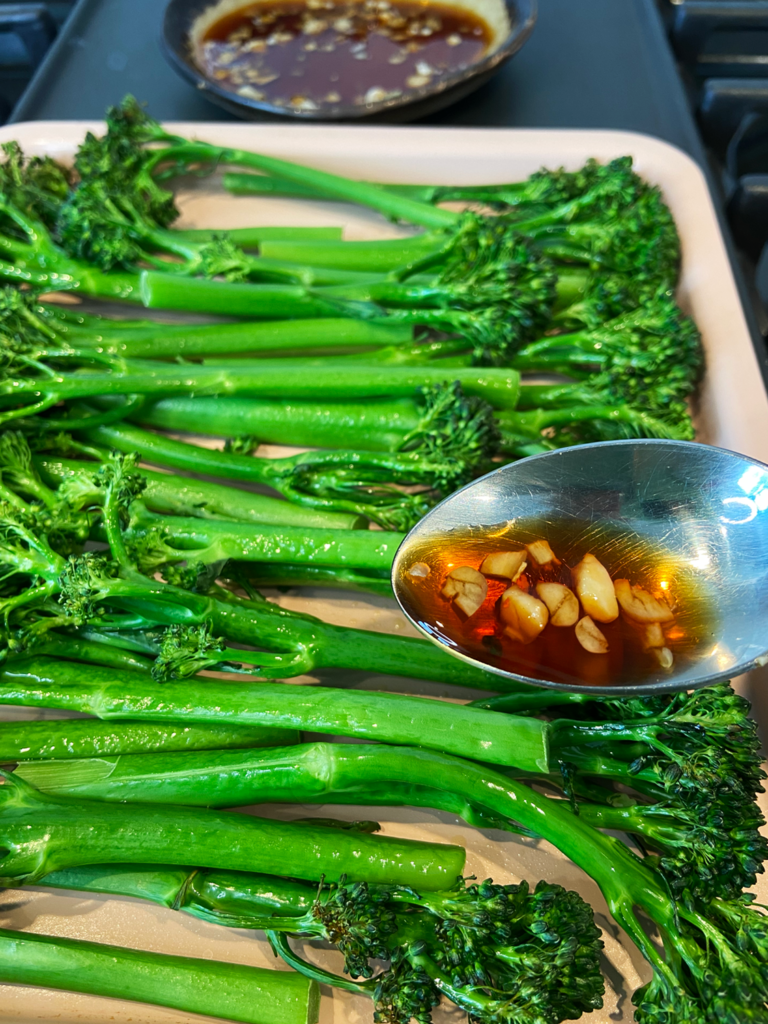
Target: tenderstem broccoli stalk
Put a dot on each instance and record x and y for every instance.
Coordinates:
(177, 495)
(515, 955)
(389, 425)
(41, 264)
(236, 992)
(283, 337)
(269, 379)
(265, 574)
(89, 591)
(354, 482)
(615, 218)
(252, 238)
(92, 832)
(154, 340)
(708, 847)
(544, 187)
(106, 220)
(512, 194)
(713, 965)
(436, 416)
(389, 717)
(46, 593)
(63, 645)
(637, 370)
(80, 737)
(157, 541)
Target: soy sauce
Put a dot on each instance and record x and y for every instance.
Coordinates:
(322, 54)
(556, 654)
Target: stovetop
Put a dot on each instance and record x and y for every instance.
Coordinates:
(722, 52)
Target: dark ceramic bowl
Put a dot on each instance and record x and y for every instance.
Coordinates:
(180, 15)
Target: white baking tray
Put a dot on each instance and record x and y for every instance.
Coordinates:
(732, 413)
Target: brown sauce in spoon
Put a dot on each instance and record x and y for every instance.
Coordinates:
(556, 655)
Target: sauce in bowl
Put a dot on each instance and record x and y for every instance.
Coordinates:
(324, 54)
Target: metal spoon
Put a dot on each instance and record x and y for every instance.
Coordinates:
(705, 509)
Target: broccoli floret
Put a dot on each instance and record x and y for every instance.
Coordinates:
(502, 953)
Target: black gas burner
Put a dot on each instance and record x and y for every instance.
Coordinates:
(27, 30)
(722, 50)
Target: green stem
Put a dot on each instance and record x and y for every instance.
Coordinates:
(390, 205)
(286, 337)
(43, 833)
(375, 425)
(252, 238)
(84, 737)
(171, 494)
(525, 699)
(273, 378)
(226, 778)
(217, 896)
(236, 992)
(59, 645)
(261, 184)
(292, 643)
(381, 256)
(339, 481)
(338, 767)
(210, 541)
(286, 575)
(389, 717)
(159, 290)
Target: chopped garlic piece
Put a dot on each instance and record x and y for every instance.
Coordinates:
(504, 563)
(524, 616)
(541, 553)
(653, 637)
(595, 589)
(590, 637)
(641, 606)
(561, 601)
(419, 570)
(654, 641)
(467, 587)
(664, 657)
(314, 26)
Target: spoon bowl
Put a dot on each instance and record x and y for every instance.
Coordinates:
(703, 508)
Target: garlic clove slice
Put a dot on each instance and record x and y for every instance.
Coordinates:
(541, 554)
(595, 590)
(655, 642)
(590, 636)
(561, 602)
(664, 656)
(640, 606)
(653, 637)
(466, 587)
(524, 616)
(419, 570)
(509, 564)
